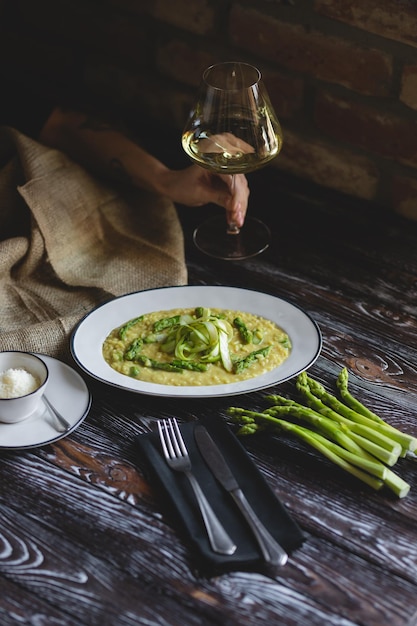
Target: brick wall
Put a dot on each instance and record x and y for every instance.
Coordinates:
(342, 74)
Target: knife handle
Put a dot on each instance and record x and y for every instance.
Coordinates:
(272, 552)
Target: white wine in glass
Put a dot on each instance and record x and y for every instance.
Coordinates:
(232, 129)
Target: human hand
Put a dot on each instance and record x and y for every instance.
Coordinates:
(196, 186)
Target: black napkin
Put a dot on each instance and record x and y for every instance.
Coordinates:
(177, 494)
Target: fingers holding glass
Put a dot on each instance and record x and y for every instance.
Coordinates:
(233, 130)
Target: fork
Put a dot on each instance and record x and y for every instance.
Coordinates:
(176, 455)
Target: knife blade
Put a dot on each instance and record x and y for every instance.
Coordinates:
(272, 552)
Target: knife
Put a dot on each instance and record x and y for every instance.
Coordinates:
(272, 552)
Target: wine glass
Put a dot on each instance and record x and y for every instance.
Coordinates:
(232, 129)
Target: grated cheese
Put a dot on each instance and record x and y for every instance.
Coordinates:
(17, 382)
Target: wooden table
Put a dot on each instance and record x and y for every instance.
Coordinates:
(84, 539)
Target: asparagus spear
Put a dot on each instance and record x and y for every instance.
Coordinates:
(166, 322)
(344, 409)
(244, 332)
(384, 448)
(242, 364)
(397, 485)
(320, 444)
(409, 443)
(155, 338)
(157, 365)
(123, 329)
(347, 460)
(406, 441)
(350, 400)
(339, 431)
(134, 349)
(384, 455)
(189, 365)
(367, 464)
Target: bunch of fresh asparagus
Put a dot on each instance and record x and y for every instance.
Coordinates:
(344, 430)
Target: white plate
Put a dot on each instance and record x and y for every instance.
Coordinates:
(67, 392)
(88, 337)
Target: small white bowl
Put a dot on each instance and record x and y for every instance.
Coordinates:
(16, 409)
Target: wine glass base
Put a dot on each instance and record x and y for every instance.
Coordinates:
(211, 237)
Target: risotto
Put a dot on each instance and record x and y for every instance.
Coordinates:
(190, 347)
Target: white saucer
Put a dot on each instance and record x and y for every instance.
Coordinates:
(68, 392)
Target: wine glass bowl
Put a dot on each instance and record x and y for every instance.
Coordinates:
(232, 129)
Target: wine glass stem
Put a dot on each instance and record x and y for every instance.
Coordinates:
(232, 227)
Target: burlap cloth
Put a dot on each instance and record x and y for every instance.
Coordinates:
(68, 242)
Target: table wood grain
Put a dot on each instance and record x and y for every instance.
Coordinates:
(85, 538)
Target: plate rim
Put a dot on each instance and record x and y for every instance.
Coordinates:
(228, 389)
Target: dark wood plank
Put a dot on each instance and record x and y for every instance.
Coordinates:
(98, 530)
(86, 539)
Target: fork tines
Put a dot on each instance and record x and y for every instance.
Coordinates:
(171, 438)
